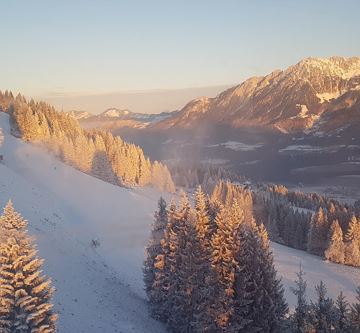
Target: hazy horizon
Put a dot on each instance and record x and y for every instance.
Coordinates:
(86, 49)
(147, 101)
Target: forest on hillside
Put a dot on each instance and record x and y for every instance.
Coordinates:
(209, 268)
(95, 152)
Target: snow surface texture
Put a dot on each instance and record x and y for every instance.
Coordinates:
(100, 289)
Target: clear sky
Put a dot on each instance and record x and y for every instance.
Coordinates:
(69, 48)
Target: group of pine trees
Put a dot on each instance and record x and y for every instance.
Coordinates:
(98, 153)
(209, 267)
(25, 294)
(189, 176)
(313, 223)
(323, 315)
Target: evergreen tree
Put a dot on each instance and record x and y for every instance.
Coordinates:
(203, 225)
(225, 244)
(336, 248)
(353, 232)
(259, 294)
(279, 308)
(300, 316)
(342, 313)
(154, 247)
(164, 268)
(355, 313)
(25, 294)
(318, 232)
(352, 253)
(192, 304)
(323, 312)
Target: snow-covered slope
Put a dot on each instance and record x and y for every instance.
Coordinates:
(97, 290)
(100, 290)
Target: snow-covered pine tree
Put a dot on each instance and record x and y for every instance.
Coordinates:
(25, 294)
(336, 248)
(300, 315)
(323, 312)
(193, 303)
(318, 232)
(353, 232)
(176, 243)
(352, 253)
(352, 245)
(154, 248)
(11, 220)
(164, 268)
(278, 309)
(224, 246)
(342, 313)
(259, 295)
(204, 227)
(355, 313)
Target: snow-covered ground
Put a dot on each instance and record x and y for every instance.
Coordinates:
(98, 290)
(238, 146)
(101, 290)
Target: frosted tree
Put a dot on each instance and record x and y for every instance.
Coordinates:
(352, 245)
(154, 247)
(192, 303)
(336, 248)
(164, 269)
(278, 308)
(11, 220)
(259, 294)
(25, 293)
(352, 253)
(225, 243)
(300, 315)
(353, 232)
(355, 313)
(204, 226)
(342, 313)
(323, 312)
(318, 232)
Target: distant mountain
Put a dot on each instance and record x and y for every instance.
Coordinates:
(305, 96)
(114, 118)
(79, 114)
(301, 124)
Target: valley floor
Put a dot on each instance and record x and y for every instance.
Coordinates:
(100, 289)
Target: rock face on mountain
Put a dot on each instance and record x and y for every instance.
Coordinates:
(296, 99)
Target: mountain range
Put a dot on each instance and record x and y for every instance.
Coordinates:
(299, 124)
(305, 96)
(117, 118)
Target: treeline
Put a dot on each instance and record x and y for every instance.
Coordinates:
(313, 223)
(25, 293)
(209, 268)
(189, 176)
(98, 153)
(323, 315)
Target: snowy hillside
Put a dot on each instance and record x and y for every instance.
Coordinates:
(100, 290)
(97, 290)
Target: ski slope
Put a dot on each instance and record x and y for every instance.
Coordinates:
(101, 290)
